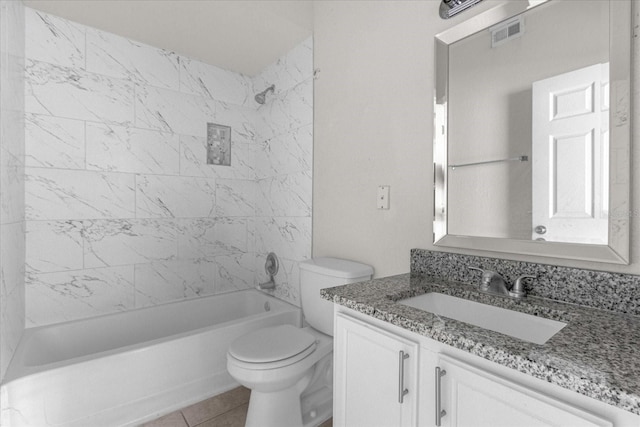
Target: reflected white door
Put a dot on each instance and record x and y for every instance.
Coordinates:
(570, 156)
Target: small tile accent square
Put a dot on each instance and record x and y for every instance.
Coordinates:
(218, 144)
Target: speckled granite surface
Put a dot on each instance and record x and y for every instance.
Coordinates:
(600, 289)
(595, 354)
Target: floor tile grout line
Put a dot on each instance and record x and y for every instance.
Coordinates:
(234, 404)
(221, 415)
(184, 418)
(218, 415)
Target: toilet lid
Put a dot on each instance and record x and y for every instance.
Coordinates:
(271, 344)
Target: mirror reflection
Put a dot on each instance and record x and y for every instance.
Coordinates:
(523, 145)
(529, 97)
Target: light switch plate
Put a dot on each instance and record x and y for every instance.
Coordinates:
(383, 196)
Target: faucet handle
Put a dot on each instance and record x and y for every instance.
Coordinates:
(484, 276)
(518, 288)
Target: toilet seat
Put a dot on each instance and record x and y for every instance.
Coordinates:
(272, 347)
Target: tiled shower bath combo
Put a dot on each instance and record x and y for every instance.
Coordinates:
(122, 208)
(119, 208)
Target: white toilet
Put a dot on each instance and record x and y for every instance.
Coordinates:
(289, 369)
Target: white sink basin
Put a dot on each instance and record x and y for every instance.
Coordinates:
(523, 326)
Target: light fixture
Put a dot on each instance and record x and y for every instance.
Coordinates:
(448, 8)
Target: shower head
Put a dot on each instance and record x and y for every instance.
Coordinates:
(262, 96)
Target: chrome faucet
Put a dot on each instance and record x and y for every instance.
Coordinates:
(493, 283)
(271, 284)
(271, 268)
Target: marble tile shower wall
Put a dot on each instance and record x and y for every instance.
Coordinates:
(12, 242)
(284, 132)
(122, 210)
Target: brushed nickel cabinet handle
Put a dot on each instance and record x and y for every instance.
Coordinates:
(439, 411)
(401, 390)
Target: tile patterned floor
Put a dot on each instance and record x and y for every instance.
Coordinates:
(225, 410)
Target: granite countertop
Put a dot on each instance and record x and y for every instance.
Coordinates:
(594, 355)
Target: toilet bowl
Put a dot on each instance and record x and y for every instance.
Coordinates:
(279, 372)
(289, 370)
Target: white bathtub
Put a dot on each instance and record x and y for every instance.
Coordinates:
(126, 368)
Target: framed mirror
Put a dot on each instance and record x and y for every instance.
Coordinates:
(532, 130)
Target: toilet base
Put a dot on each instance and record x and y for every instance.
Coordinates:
(317, 399)
(317, 407)
(307, 404)
(279, 409)
(264, 409)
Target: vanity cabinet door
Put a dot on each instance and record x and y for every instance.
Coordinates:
(372, 368)
(474, 398)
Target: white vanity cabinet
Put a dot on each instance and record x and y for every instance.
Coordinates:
(375, 376)
(473, 392)
(471, 397)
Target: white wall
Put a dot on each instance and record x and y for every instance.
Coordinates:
(373, 119)
(122, 210)
(12, 244)
(373, 125)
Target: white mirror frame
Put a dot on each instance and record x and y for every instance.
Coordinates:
(617, 250)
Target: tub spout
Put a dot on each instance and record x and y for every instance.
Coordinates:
(271, 284)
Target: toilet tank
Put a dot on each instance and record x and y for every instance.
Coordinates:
(319, 273)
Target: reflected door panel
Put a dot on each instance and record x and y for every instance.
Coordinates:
(570, 142)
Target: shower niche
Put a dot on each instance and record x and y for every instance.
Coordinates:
(218, 144)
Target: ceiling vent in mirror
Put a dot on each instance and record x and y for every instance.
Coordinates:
(448, 8)
(506, 31)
